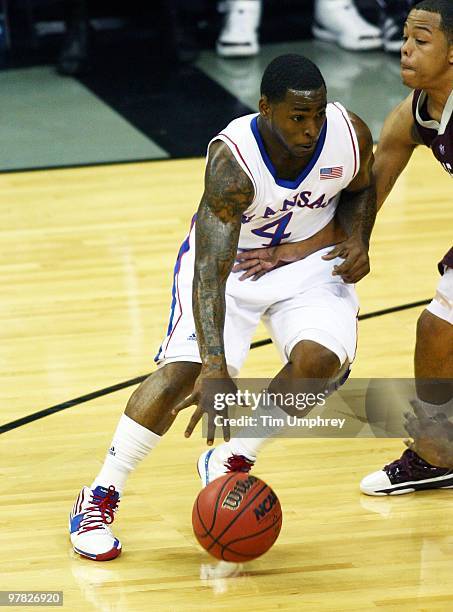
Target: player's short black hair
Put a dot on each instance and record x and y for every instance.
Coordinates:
(445, 9)
(290, 71)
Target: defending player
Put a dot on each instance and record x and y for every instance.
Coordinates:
(276, 176)
(424, 118)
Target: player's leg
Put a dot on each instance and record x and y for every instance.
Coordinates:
(315, 333)
(433, 362)
(311, 368)
(151, 404)
(147, 417)
(148, 412)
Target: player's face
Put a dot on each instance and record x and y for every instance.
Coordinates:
(425, 55)
(296, 122)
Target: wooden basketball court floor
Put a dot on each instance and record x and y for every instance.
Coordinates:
(86, 272)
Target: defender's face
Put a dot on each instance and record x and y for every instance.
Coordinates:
(425, 54)
(296, 122)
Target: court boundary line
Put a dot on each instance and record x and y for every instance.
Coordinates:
(138, 379)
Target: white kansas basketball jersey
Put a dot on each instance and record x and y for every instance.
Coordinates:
(284, 210)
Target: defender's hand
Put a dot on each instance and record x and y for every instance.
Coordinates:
(356, 263)
(206, 387)
(258, 262)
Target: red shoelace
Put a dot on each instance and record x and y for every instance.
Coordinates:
(238, 463)
(101, 512)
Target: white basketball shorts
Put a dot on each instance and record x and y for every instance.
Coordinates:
(442, 303)
(300, 301)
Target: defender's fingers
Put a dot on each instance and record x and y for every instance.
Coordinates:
(250, 272)
(245, 265)
(355, 270)
(337, 251)
(244, 255)
(348, 265)
(355, 275)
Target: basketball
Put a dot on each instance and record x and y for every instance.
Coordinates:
(237, 517)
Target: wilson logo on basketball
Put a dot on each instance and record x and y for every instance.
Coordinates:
(233, 498)
(264, 507)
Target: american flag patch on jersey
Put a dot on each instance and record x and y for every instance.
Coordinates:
(331, 173)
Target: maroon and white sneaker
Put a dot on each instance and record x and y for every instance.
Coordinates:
(405, 475)
(92, 513)
(215, 462)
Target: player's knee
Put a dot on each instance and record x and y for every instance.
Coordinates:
(148, 396)
(312, 360)
(163, 389)
(141, 402)
(134, 401)
(428, 328)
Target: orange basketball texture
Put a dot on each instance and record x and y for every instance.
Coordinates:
(237, 517)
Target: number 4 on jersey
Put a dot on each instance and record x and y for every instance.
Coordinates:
(278, 234)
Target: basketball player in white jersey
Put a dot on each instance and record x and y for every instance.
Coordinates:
(277, 176)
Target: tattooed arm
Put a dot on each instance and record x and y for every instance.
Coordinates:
(398, 139)
(357, 212)
(228, 193)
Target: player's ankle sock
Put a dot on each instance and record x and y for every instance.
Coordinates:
(131, 443)
(431, 410)
(251, 438)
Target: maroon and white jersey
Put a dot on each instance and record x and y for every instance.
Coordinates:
(437, 136)
(447, 261)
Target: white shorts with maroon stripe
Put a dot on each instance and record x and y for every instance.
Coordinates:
(442, 303)
(300, 301)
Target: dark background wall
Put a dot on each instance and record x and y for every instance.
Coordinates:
(282, 20)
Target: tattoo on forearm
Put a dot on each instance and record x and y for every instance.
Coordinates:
(228, 193)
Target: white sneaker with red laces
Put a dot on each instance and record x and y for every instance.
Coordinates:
(92, 513)
(216, 462)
